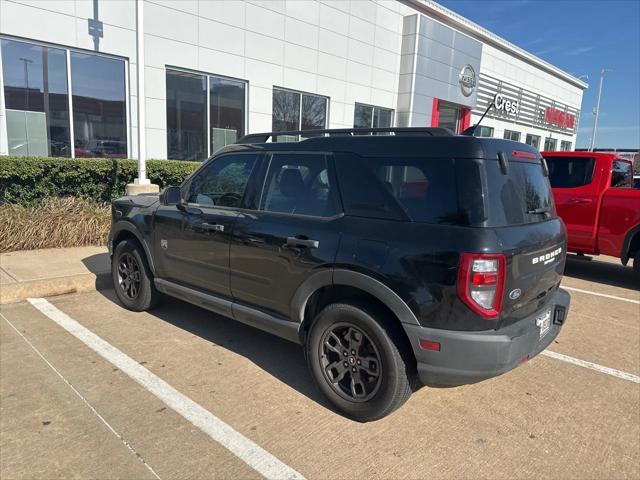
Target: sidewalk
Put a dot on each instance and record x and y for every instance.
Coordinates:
(55, 271)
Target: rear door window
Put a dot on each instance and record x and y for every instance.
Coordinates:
(622, 174)
(570, 172)
(300, 184)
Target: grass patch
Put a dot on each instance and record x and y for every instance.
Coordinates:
(54, 222)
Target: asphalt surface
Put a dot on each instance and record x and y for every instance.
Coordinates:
(67, 411)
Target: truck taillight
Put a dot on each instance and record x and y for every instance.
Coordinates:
(481, 282)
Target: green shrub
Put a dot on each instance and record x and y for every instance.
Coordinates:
(29, 180)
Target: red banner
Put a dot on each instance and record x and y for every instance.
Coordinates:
(558, 117)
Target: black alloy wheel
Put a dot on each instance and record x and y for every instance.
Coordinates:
(129, 276)
(350, 362)
(132, 277)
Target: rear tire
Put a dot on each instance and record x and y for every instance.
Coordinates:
(356, 358)
(132, 277)
(636, 266)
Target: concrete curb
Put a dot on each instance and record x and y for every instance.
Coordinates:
(86, 282)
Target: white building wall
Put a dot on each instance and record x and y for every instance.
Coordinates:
(348, 50)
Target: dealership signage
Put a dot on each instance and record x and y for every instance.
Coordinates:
(467, 80)
(503, 104)
(558, 117)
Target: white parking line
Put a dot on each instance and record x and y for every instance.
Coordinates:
(243, 448)
(593, 366)
(84, 400)
(601, 295)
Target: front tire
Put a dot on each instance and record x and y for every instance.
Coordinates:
(356, 358)
(132, 278)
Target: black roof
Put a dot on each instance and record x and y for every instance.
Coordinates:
(423, 142)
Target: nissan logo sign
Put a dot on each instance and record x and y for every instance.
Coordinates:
(506, 105)
(467, 80)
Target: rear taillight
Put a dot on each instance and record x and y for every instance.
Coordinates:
(481, 282)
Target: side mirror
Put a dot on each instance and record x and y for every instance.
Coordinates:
(171, 196)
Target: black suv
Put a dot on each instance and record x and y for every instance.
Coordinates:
(396, 258)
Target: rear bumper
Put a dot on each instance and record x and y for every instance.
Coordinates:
(469, 357)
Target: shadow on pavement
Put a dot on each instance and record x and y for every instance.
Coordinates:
(592, 270)
(282, 359)
(100, 265)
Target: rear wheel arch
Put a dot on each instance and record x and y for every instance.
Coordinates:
(327, 287)
(631, 244)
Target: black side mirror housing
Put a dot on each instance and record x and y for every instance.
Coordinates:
(171, 196)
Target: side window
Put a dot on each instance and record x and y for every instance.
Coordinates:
(622, 176)
(570, 172)
(299, 184)
(223, 181)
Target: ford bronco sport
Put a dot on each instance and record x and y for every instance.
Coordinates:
(396, 257)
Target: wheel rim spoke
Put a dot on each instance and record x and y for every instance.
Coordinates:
(129, 276)
(336, 371)
(337, 346)
(370, 366)
(358, 389)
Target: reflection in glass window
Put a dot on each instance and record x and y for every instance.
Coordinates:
(368, 116)
(297, 111)
(565, 146)
(223, 181)
(36, 98)
(533, 140)
(448, 117)
(99, 105)
(227, 107)
(186, 116)
(299, 184)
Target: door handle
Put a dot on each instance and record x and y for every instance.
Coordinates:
(301, 241)
(208, 227)
(580, 201)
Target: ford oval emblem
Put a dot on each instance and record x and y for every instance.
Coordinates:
(515, 293)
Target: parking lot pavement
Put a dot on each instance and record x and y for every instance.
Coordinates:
(546, 419)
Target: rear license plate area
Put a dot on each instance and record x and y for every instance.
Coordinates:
(543, 322)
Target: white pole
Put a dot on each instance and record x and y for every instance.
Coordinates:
(142, 150)
(596, 110)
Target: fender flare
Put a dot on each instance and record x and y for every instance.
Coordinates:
(350, 278)
(123, 225)
(626, 244)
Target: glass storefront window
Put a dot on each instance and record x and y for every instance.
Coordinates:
(550, 144)
(297, 111)
(565, 146)
(448, 117)
(186, 116)
(99, 106)
(227, 107)
(36, 99)
(483, 131)
(368, 116)
(533, 140)
(512, 135)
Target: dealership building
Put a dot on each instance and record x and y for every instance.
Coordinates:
(216, 70)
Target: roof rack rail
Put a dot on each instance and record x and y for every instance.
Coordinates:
(343, 132)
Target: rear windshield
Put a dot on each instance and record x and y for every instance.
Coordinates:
(570, 172)
(444, 191)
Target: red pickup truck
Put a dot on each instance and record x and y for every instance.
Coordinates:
(594, 195)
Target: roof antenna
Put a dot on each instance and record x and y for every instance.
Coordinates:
(471, 131)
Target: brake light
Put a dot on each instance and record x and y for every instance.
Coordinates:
(481, 282)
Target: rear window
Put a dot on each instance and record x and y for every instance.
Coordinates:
(522, 196)
(570, 172)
